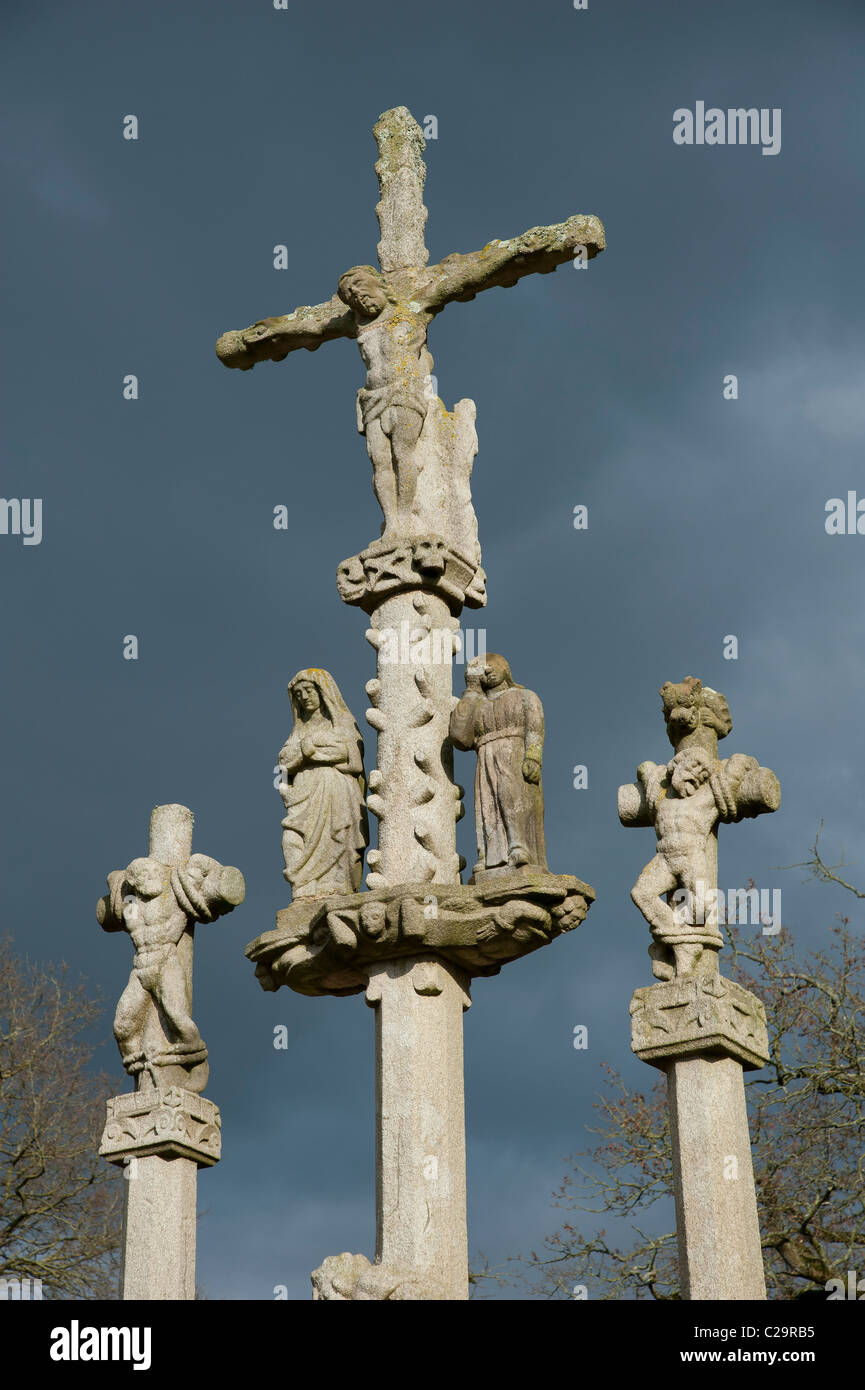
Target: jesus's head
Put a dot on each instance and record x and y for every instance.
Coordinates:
(362, 289)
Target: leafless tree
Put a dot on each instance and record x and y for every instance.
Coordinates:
(60, 1204)
(807, 1118)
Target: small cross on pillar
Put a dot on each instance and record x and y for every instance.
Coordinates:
(699, 1028)
(163, 1131)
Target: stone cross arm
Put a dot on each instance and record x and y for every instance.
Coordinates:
(540, 250)
(202, 889)
(271, 339)
(748, 790)
(427, 290)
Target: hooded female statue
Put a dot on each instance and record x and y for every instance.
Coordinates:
(325, 828)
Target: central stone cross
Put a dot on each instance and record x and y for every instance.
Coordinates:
(415, 939)
(388, 312)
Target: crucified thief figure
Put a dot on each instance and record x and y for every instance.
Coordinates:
(156, 923)
(158, 906)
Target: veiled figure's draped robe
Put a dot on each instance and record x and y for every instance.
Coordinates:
(505, 728)
(324, 829)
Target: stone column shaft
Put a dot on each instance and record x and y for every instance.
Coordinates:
(159, 1228)
(419, 1003)
(420, 1128)
(704, 1031)
(163, 1132)
(720, 1255)
(412, 791)
(161, 1138)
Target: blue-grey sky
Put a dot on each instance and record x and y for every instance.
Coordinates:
(601, 387)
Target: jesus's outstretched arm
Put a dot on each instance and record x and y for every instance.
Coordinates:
(270, 340)
(539, 250)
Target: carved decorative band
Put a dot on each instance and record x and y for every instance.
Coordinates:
(174, 1123)
(706, 1015)
(419, 562)
(326, 946)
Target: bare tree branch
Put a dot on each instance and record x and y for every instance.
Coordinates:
(60, 1204)
(807, 1119)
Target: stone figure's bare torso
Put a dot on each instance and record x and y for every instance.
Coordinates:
(682, 822)
(393, 347)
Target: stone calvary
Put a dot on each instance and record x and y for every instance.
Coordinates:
(699, 1028)
(414, 937)
(164, 1130)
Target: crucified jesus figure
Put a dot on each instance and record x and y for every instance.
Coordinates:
(389, 311)
(393, 405)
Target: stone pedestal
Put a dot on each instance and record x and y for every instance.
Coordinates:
(703, 1032)
(161, 1138)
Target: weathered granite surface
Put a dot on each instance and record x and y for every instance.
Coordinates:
(685, 800)
(421, 452)
(327, 947)
(164, 1131)
(175, 1123)
(157, 900)
(718, 1232)
(504, 724)
(394, 566)
(699, 1014)
(416, 937)
(699, 1028)
(324, 830)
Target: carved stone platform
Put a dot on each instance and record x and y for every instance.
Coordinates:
(707, 1015)
(389, 567)
(326, 945)
(172, 1123)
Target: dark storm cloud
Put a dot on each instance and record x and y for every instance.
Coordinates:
(601, 387)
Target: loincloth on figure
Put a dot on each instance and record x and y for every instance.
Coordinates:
(376, 402)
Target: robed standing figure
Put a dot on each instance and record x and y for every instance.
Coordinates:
(504, 723)
(324, 832)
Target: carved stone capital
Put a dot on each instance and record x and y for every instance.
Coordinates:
(326, 946)
(708, 1015)
(173, 1123)
(416, 562)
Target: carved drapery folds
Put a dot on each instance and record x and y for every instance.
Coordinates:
(324, 830)
(504, 724)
